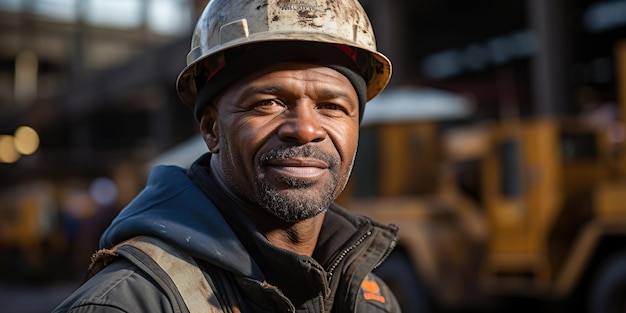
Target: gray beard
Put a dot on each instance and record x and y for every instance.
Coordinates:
(291, 208)
(291, 205)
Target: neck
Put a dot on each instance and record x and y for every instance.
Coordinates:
(299, 237)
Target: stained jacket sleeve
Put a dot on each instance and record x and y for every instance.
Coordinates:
(120, 287)
(375, 296)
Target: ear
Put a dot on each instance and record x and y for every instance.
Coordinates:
(210, 129)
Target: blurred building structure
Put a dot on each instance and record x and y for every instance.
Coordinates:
(103, 85)
(94, 79)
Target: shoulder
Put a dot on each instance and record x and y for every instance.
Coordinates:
(375, 296)
(120, 287)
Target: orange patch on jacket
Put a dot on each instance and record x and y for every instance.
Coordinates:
(371, 291)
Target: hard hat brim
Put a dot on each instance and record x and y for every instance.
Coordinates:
(380, 66)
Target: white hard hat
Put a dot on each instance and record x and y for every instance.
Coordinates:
(227, 24)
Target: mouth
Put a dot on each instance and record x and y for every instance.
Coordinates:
(298, 168)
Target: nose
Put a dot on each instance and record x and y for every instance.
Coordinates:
(302, 125)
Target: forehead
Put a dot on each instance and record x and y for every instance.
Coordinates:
(328, 82)
(285, 69)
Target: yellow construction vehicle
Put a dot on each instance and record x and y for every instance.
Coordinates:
(520, 208)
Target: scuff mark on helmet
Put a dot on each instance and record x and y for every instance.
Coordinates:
(306, 14)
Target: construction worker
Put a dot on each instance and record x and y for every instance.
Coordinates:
(278, 88)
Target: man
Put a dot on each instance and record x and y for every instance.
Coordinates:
(278, 88)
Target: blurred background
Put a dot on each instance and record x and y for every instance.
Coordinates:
(498, 147)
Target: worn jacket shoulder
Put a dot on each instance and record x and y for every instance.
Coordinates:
(120, 287)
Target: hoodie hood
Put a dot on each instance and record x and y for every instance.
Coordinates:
(173, 209)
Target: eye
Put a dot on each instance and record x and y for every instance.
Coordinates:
(333, 108)
(268, 105)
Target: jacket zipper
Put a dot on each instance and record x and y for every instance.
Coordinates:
(345, 252)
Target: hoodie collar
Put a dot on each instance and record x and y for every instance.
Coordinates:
(173, 209)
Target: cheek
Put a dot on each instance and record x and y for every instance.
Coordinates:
(346, 141)
(347, 148)
(247, 137)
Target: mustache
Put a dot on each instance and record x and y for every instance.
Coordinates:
(288, 152)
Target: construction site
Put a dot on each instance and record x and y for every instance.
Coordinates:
(499, 147)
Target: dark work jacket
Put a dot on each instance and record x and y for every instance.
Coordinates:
(188, 210)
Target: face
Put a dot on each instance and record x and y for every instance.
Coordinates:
(285, 138)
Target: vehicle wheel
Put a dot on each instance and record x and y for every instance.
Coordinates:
(399, 274)
(608, 290)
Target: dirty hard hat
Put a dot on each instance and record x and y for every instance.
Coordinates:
(230, 33)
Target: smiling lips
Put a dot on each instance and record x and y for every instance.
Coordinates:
(297, 167)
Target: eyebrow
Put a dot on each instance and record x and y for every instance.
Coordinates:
(264, 89)
(334, 94)
(277, 88)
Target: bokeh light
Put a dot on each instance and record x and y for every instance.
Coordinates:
(26, 140)
(8, 153)
(103, 191)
